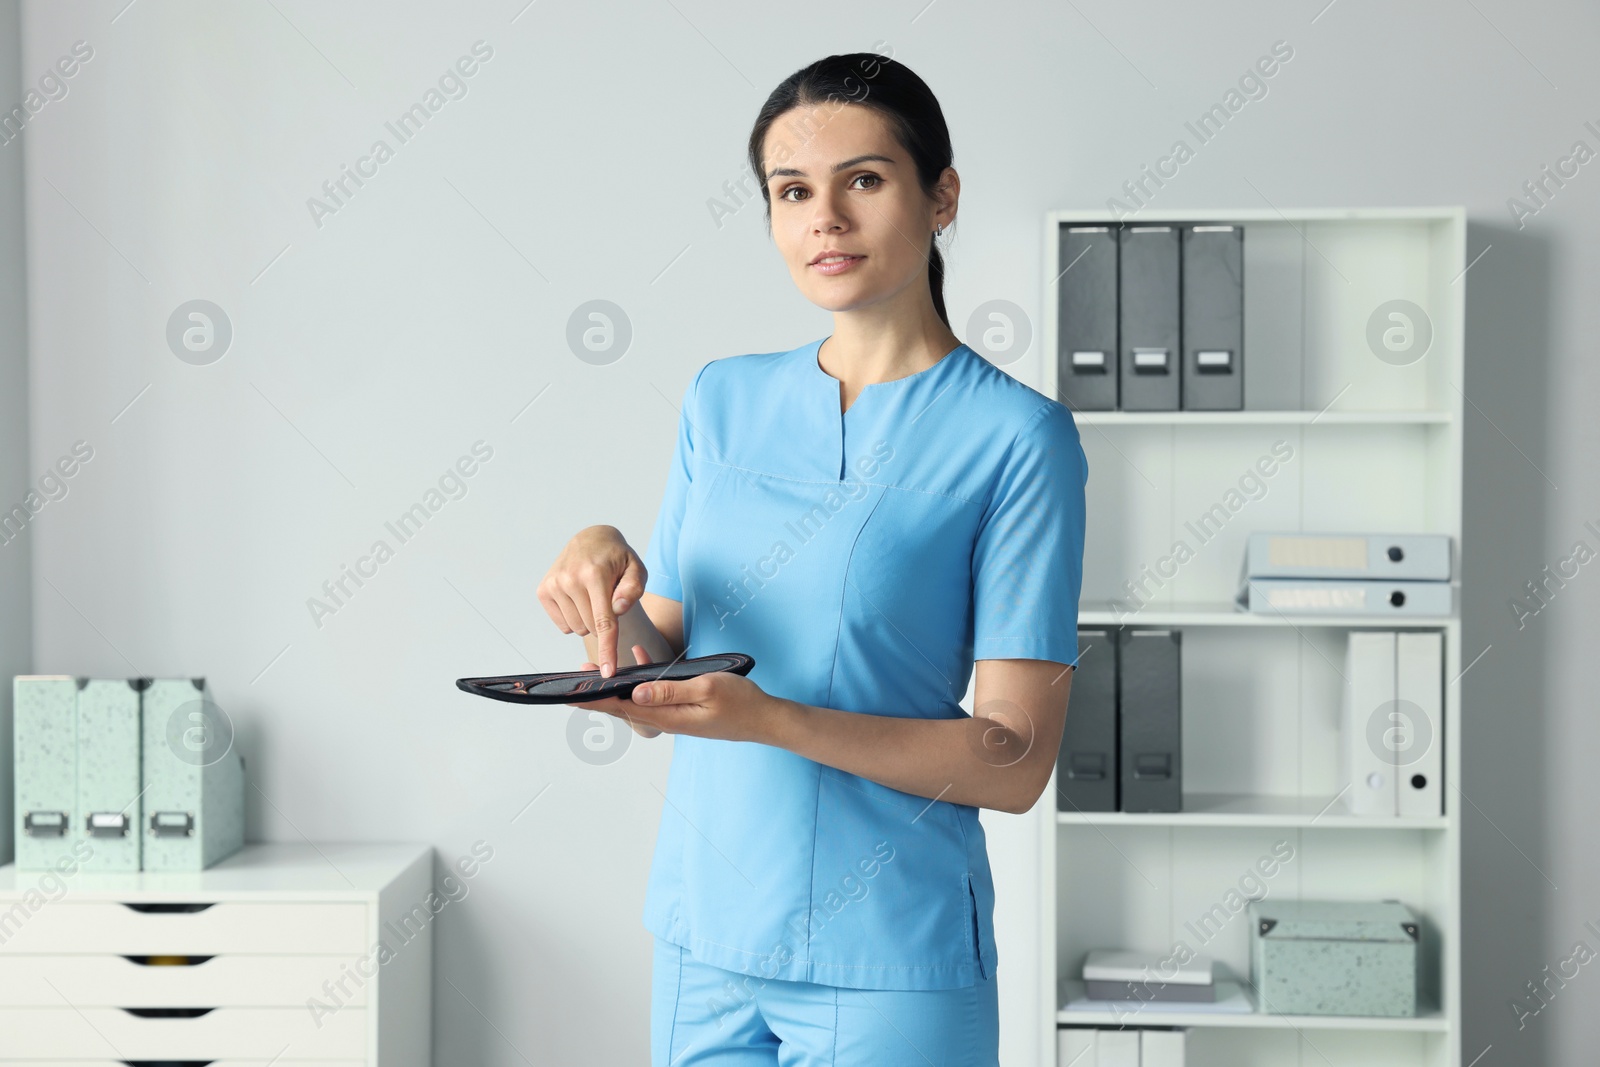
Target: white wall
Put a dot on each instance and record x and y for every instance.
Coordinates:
(370, 352)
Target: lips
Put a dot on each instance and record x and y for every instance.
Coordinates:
(835, 262)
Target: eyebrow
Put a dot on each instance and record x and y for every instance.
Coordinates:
(790, 172)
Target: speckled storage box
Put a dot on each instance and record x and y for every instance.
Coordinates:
(45, 743)
(110, 795)
(193, 778)
(1314, 957)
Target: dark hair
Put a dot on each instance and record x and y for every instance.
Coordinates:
(892, 89)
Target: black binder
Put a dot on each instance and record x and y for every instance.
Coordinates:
(1150, 318)
(1086, 766)
(1086, 335)
(1151, 720)
(1213, 318)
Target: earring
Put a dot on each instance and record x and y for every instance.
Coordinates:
(938, 231)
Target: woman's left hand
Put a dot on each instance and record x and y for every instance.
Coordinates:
(722, 705)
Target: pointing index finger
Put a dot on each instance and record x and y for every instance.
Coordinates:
(605, 629)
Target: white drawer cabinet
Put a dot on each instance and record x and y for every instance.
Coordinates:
(233, 981)
(319, 956)
(220, 929)
(76, 1033)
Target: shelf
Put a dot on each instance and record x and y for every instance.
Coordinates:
(1244, 810)
(291, 870)
(1428, 1020)
(1260, 418)
(1226, 613)
(1171, 500)
(1241, 215)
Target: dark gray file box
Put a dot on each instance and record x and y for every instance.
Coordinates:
(1213, 318)
(1150, 310)
(1150, 712)
(1086, 334)
(1086, 766)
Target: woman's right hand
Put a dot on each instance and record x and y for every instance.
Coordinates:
(640, 656)
(596, 578)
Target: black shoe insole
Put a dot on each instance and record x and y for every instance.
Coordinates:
(570, 687)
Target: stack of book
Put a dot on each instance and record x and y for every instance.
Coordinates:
(1126, 984)
(1114, 975)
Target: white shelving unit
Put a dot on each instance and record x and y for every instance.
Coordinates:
(1375, 447)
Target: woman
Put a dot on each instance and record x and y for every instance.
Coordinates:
(868, 516)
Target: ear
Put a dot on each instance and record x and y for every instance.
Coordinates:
(947, 194)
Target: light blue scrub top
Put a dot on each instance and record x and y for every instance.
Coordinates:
(865, 560)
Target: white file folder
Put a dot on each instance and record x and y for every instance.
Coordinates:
(1419, 756)
(1161, 1048)
(1116, 1048)
(1369, 672)
(1408, 557)
(1345, 596)
(1075, 1048)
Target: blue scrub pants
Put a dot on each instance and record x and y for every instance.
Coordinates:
(704, 1016)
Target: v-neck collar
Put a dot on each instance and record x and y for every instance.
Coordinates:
(814, 369)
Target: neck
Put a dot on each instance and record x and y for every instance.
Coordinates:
(878, 344)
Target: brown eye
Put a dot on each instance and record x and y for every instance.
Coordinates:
(871, 177)
(792, 189)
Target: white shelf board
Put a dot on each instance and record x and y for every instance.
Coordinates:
(297, 870)
(1238, 809)
(1260, 418)
(1428, 1019)
(1226, 613)
(1257, 214)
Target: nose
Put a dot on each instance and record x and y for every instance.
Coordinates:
(828, 217)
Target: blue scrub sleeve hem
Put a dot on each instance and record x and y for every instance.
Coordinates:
(1025, 648)
(664, 585)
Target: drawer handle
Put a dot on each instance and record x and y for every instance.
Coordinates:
(169, 1013)
(166, 909)
(167, 1063)
(167, 961)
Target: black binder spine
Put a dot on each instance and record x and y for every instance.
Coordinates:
(1150, 312)
(1086, 301)
(1213, 318)
(1086, 766)
(1151, 720)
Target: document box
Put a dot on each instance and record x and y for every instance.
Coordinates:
(1313, 957)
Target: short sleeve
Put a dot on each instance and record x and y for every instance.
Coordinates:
(1027, 558)
(661, 557)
